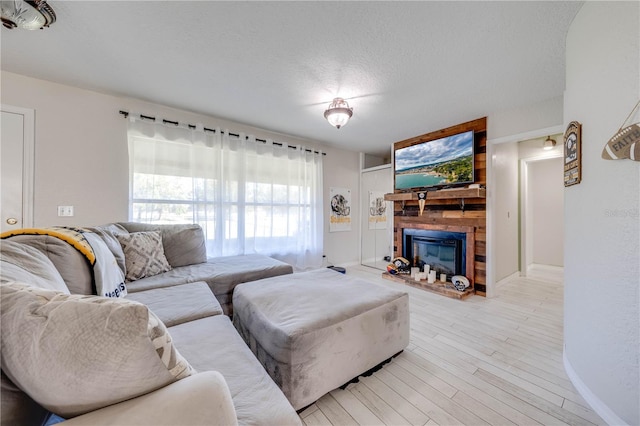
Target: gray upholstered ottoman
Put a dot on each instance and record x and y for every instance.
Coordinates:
(315, 331)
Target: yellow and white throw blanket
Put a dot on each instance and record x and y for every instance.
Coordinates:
(107, 275)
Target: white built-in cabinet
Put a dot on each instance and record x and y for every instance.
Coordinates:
(377, 216)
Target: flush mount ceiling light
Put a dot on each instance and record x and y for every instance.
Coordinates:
(549, 143)
(30, 15)
(338, 113)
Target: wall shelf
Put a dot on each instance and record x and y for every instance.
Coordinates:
(441, 194)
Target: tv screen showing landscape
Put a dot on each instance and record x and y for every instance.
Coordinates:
(440, 162)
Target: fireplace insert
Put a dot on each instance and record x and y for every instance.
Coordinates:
(443, 251)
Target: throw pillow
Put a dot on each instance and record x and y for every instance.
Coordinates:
(143, 254)
(74, 354)
(184, 244)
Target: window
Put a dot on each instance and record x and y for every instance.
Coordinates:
(248, 196)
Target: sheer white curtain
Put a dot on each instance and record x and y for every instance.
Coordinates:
(248, 196)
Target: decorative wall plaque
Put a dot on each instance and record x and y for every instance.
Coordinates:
(573, 154)
(422, 198)
(625, 143)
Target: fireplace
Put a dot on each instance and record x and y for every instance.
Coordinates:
(449, 249)
(443, 251)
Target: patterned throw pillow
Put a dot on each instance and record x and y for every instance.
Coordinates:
(73, 354)
(170, 357)
(143, 254)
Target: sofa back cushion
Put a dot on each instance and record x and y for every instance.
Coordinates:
(72, 266)
(17, 408)
(21, 262)
(73, 354)
(183, 244)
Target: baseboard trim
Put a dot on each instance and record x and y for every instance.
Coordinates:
(596, 403)
(543, 267)
(508, 278)
(346, 264)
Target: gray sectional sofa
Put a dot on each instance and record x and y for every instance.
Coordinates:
(166, 353)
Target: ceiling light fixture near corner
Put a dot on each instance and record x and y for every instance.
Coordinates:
(27, 14)
(549, 144)
(338, 113)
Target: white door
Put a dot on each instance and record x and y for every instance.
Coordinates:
(16, 168)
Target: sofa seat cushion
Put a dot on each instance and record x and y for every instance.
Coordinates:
(73, 354)
(222, 274)
(180, 303)
(315, 331)
(213, 344)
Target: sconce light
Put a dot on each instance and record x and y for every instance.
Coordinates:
(549, 143)
(27, 14)
(338, 113)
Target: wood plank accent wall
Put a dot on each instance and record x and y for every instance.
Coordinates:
(448, 211)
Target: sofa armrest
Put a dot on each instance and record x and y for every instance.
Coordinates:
(203, 398)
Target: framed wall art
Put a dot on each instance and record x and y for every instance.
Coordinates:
(377, 210)
(340, 214)
(573, 154)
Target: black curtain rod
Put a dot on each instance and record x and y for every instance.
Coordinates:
(206, 129)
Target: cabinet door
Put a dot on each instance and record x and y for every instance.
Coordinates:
(377, 217)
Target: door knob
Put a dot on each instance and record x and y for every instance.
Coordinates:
(12, 221)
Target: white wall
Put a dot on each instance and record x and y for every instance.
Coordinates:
(505, 213)
(532, 148)
(602, 224)
(502, 124)
(82, 160)
(546, 198)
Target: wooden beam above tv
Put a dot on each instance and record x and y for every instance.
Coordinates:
(443, 194)
(479, 125)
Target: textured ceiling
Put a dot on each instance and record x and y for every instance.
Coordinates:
(406, 68)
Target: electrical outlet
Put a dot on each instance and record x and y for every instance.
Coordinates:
(65, 211)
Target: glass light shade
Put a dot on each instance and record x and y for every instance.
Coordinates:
(549, 144)
(29, 15)
(338, 113)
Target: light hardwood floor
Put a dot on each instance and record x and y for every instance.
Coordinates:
(475, 362)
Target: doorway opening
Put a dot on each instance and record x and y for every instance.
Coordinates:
(528, 209)
(542, 217)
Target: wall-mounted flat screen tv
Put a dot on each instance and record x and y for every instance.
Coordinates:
(438, 163)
